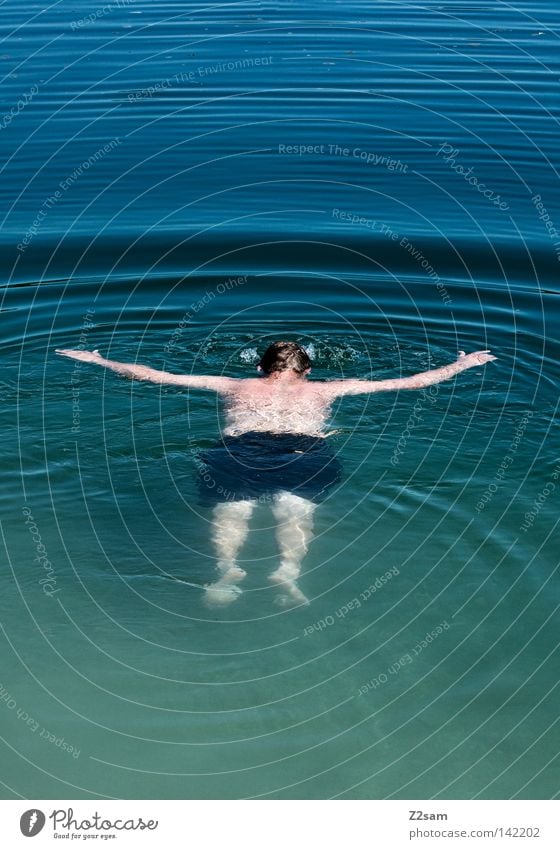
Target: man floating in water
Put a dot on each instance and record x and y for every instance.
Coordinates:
(273, 448)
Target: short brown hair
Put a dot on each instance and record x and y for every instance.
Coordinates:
(281, 356)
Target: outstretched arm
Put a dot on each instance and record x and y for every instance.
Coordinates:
(464, 361)
(138, 372)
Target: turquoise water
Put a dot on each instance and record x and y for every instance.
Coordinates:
(158, 206)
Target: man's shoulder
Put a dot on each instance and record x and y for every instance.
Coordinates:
(244, 382)
(241, 385)
(321, 388)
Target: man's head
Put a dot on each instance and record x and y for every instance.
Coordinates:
(285, 356)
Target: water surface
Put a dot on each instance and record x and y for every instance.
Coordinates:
(182, 184)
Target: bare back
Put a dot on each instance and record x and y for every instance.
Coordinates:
(257, 404)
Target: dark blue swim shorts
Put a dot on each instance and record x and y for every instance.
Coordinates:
(258, 465)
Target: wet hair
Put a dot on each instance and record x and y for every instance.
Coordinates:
(281, 356)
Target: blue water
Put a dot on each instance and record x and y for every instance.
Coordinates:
(183, 183)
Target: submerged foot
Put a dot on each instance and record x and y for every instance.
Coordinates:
(225, 590)
(290, 595)
(221, 594)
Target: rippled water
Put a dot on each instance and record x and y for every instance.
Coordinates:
(181, 186)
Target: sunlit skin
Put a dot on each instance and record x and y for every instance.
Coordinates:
(280, 402)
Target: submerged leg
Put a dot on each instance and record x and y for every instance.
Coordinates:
(294, 532)
(230, 526)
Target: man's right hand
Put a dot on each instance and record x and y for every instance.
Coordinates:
(477, 358)
(84, 356)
